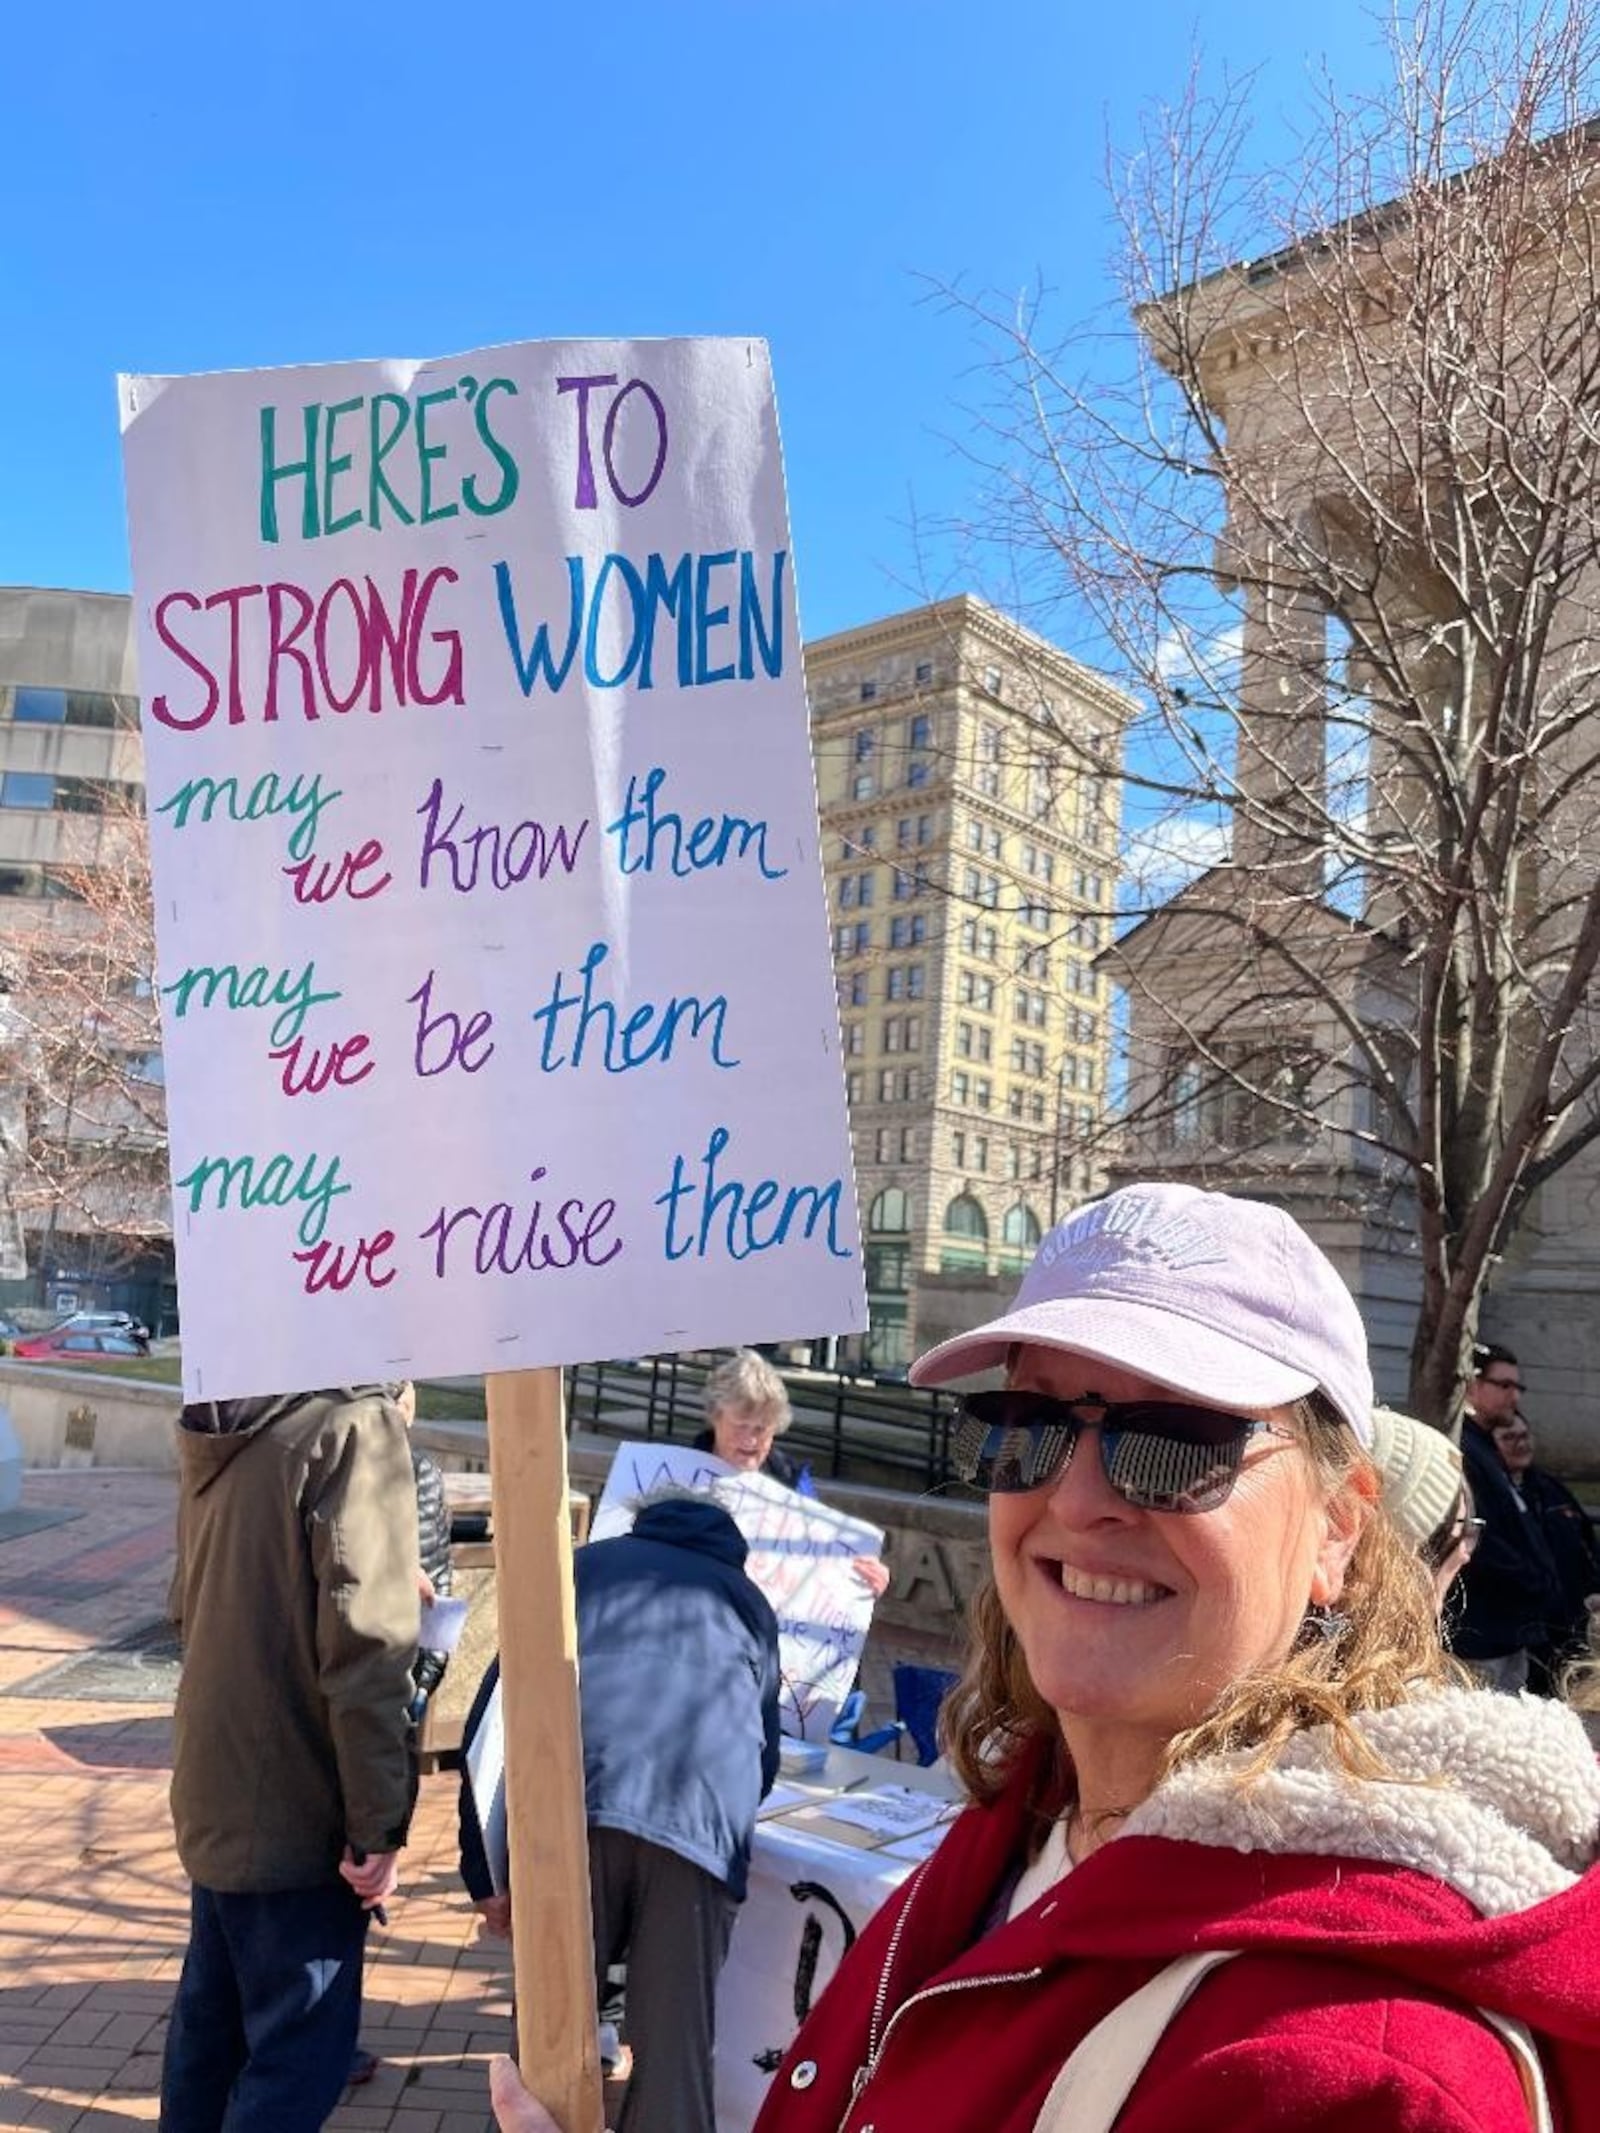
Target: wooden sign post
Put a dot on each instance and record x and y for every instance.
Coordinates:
(553, 1939)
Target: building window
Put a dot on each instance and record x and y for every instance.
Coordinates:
(908, 932)
(39, 707)
(908, 1144)
(1020, 1228)
(863, 785)
(855, 1039)
(881, 1144)
(869, 691)
(960, 1086)
(964, 1217)
(865, 741)
(1027, 1057)
(886, 1085)
(980, 1153)
(919, 731)
(1040, 797)
(917, 774)
(987, 776)
(1032, 1008)
(853, 1088)
(982, 1092)
(958, 1148)
(890, 1213)
(992, 680)
(852, 989)
(924, 672)
(913, 1033)
(27, 788)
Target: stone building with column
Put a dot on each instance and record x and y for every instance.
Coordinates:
(1411, 839)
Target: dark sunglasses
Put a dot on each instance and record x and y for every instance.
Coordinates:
(1159, 1455)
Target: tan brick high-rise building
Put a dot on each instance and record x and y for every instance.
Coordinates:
(969, 778)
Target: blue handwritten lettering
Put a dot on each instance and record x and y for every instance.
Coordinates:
(729, 1217)
(636, 1043)
(708, 844)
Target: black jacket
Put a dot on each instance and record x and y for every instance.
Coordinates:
(678, 1677)
(1570, 1538)
(1510, 1592)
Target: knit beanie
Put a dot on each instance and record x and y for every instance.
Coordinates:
(1420, 1472)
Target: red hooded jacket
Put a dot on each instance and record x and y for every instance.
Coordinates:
(1374, 1919)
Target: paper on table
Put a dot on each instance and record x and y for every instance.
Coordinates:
(887, 1811)
(443, 1621)
(782, 1797)
(917, 1846)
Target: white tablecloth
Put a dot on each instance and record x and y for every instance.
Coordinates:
(787, 1945)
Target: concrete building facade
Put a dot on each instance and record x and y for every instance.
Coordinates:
(71, 782)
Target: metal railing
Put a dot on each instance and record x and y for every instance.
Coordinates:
(845, 1427)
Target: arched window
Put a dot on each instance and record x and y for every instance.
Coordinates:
(965, 1218)
(1021, 1227)
(891, 1212)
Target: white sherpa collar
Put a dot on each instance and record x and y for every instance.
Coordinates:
(1498, 1796)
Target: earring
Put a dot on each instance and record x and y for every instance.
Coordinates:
(1321, 1626)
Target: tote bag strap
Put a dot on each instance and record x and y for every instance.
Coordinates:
(1518, 2039)
(1089, 2092)
(1097, 2080)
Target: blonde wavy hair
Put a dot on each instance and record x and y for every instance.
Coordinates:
(1388, 1647)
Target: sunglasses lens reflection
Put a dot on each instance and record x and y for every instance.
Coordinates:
(1157, 1456)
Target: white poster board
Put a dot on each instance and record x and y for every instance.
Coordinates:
(801, 1556)
(497, 1001)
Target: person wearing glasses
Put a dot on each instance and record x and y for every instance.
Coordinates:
(1243, 1847)
(1511, 1604)
(1424, 1493)
(1570, 1538)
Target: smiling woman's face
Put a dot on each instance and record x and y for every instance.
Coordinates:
(1140, 1619)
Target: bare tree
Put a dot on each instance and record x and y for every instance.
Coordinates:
(1336, 513)
(82, 1102)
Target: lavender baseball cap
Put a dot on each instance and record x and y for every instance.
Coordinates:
(1224, 1298)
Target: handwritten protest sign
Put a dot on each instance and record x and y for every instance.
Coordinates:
(801, 1553)
(497, 1002)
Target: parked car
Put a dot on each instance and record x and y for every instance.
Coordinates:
(72, 1344)
(107, 1322)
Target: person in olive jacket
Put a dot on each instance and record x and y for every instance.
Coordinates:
(293, 1776)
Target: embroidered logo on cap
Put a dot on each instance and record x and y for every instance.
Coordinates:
(1124, 1227)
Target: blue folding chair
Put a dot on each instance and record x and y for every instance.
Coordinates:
(918, 1693)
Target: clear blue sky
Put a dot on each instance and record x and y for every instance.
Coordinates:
(210, 187)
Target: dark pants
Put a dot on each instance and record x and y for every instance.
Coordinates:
(670, 1922)
(267, 2011)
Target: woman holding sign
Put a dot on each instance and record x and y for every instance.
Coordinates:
(747, 1410)
(1207, 1727)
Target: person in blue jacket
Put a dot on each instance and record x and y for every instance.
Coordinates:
(678, 1679)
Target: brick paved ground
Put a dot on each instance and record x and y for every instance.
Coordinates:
(92, 1900)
